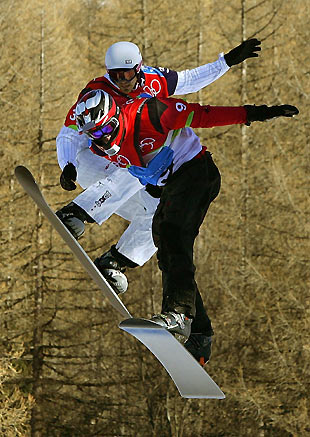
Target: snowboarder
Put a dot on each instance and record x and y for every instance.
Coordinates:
(128, 78)
(176, 161)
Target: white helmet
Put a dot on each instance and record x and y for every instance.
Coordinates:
(123, 54)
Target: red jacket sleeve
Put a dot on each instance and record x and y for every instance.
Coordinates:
(179, 114)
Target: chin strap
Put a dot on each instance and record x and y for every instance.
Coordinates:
(112, 150)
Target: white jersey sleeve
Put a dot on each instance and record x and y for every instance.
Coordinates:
(190, 81)
(68, 144)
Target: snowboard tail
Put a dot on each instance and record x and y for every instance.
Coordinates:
(190, 378)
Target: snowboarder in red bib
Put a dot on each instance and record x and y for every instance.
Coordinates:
(152, 137)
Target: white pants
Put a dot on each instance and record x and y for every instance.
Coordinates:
(109, 190)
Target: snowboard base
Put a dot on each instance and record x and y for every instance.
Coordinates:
(29, 184)
(190, 378)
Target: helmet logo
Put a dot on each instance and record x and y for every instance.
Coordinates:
(128, 61)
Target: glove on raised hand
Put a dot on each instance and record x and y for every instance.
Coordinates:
(245, 50)
(68, 176)
(263, 112)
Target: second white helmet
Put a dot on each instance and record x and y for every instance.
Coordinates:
(123, 54)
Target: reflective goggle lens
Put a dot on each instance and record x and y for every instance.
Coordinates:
(118, 75)
(105, 130)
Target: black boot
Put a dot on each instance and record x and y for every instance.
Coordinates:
(199, 345)
(112, 264)
(176, 323)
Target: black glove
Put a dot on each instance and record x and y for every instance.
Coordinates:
(245, 50)
(263, 112)
(68, 176)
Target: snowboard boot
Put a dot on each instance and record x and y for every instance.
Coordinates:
(199, 345)
(112, 264)
(73, 217)
(174, 322)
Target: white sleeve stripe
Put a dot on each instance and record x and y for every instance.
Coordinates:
(190, 81)
(67, 144)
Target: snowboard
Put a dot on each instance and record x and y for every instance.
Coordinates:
(29, 184)
(190, 378)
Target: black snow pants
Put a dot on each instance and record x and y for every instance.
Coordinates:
(184, 202)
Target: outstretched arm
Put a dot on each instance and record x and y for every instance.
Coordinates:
(179, 113)
(190, 81)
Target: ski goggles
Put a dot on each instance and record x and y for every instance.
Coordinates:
(122, 74)
(107, 129)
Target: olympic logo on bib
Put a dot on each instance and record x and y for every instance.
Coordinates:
(147, 142)
(154, 88)
(122, 161)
